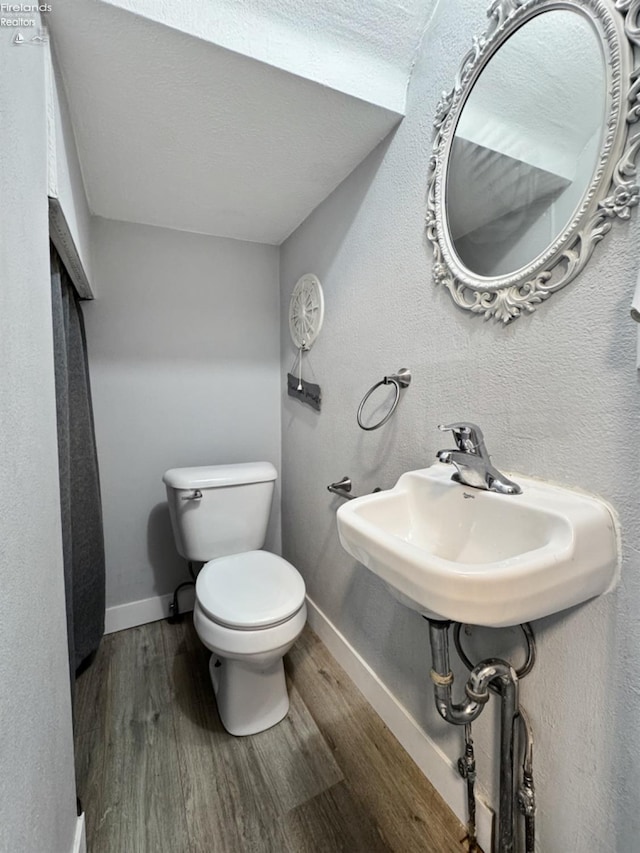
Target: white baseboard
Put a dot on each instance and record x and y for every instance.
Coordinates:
(80, 840)
(124, 616)
(431, 760)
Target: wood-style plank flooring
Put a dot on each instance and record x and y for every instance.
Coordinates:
(157, 773)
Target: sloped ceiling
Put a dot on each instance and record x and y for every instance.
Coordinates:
(226, 118)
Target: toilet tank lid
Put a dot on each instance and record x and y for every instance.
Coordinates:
(216, 476)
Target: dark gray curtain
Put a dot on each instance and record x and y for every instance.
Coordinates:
(82, 536)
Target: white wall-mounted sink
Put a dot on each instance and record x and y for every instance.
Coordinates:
(454, 552)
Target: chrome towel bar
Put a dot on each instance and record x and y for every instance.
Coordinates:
(342, 488)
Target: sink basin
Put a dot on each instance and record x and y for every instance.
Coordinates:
(454, 552)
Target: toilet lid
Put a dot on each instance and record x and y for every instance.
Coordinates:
(254, 589)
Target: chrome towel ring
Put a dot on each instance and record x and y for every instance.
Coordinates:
(401, 379)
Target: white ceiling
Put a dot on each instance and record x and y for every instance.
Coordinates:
(227, 118)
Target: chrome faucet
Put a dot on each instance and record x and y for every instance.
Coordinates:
(472, 461)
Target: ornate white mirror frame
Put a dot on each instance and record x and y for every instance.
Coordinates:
(611, 194)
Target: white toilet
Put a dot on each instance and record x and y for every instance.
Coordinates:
(250, 605)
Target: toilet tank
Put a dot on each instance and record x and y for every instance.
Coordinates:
(218, 510)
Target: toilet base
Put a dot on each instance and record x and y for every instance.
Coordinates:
(250, 697)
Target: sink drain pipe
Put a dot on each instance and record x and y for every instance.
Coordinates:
(525, 795)
(477, 695)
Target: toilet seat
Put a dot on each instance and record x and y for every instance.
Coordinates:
(237, 644)
(250, 591)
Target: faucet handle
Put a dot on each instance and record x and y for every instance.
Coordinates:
(468, 436)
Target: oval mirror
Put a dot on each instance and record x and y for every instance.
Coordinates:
(527, 146)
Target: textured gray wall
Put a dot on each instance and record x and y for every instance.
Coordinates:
(184, 359)
(37, 788)
(557, 395)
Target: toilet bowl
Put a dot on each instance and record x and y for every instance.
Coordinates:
(249, 611)
(250, 604)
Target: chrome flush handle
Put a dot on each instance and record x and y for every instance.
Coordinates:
(196, 495)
